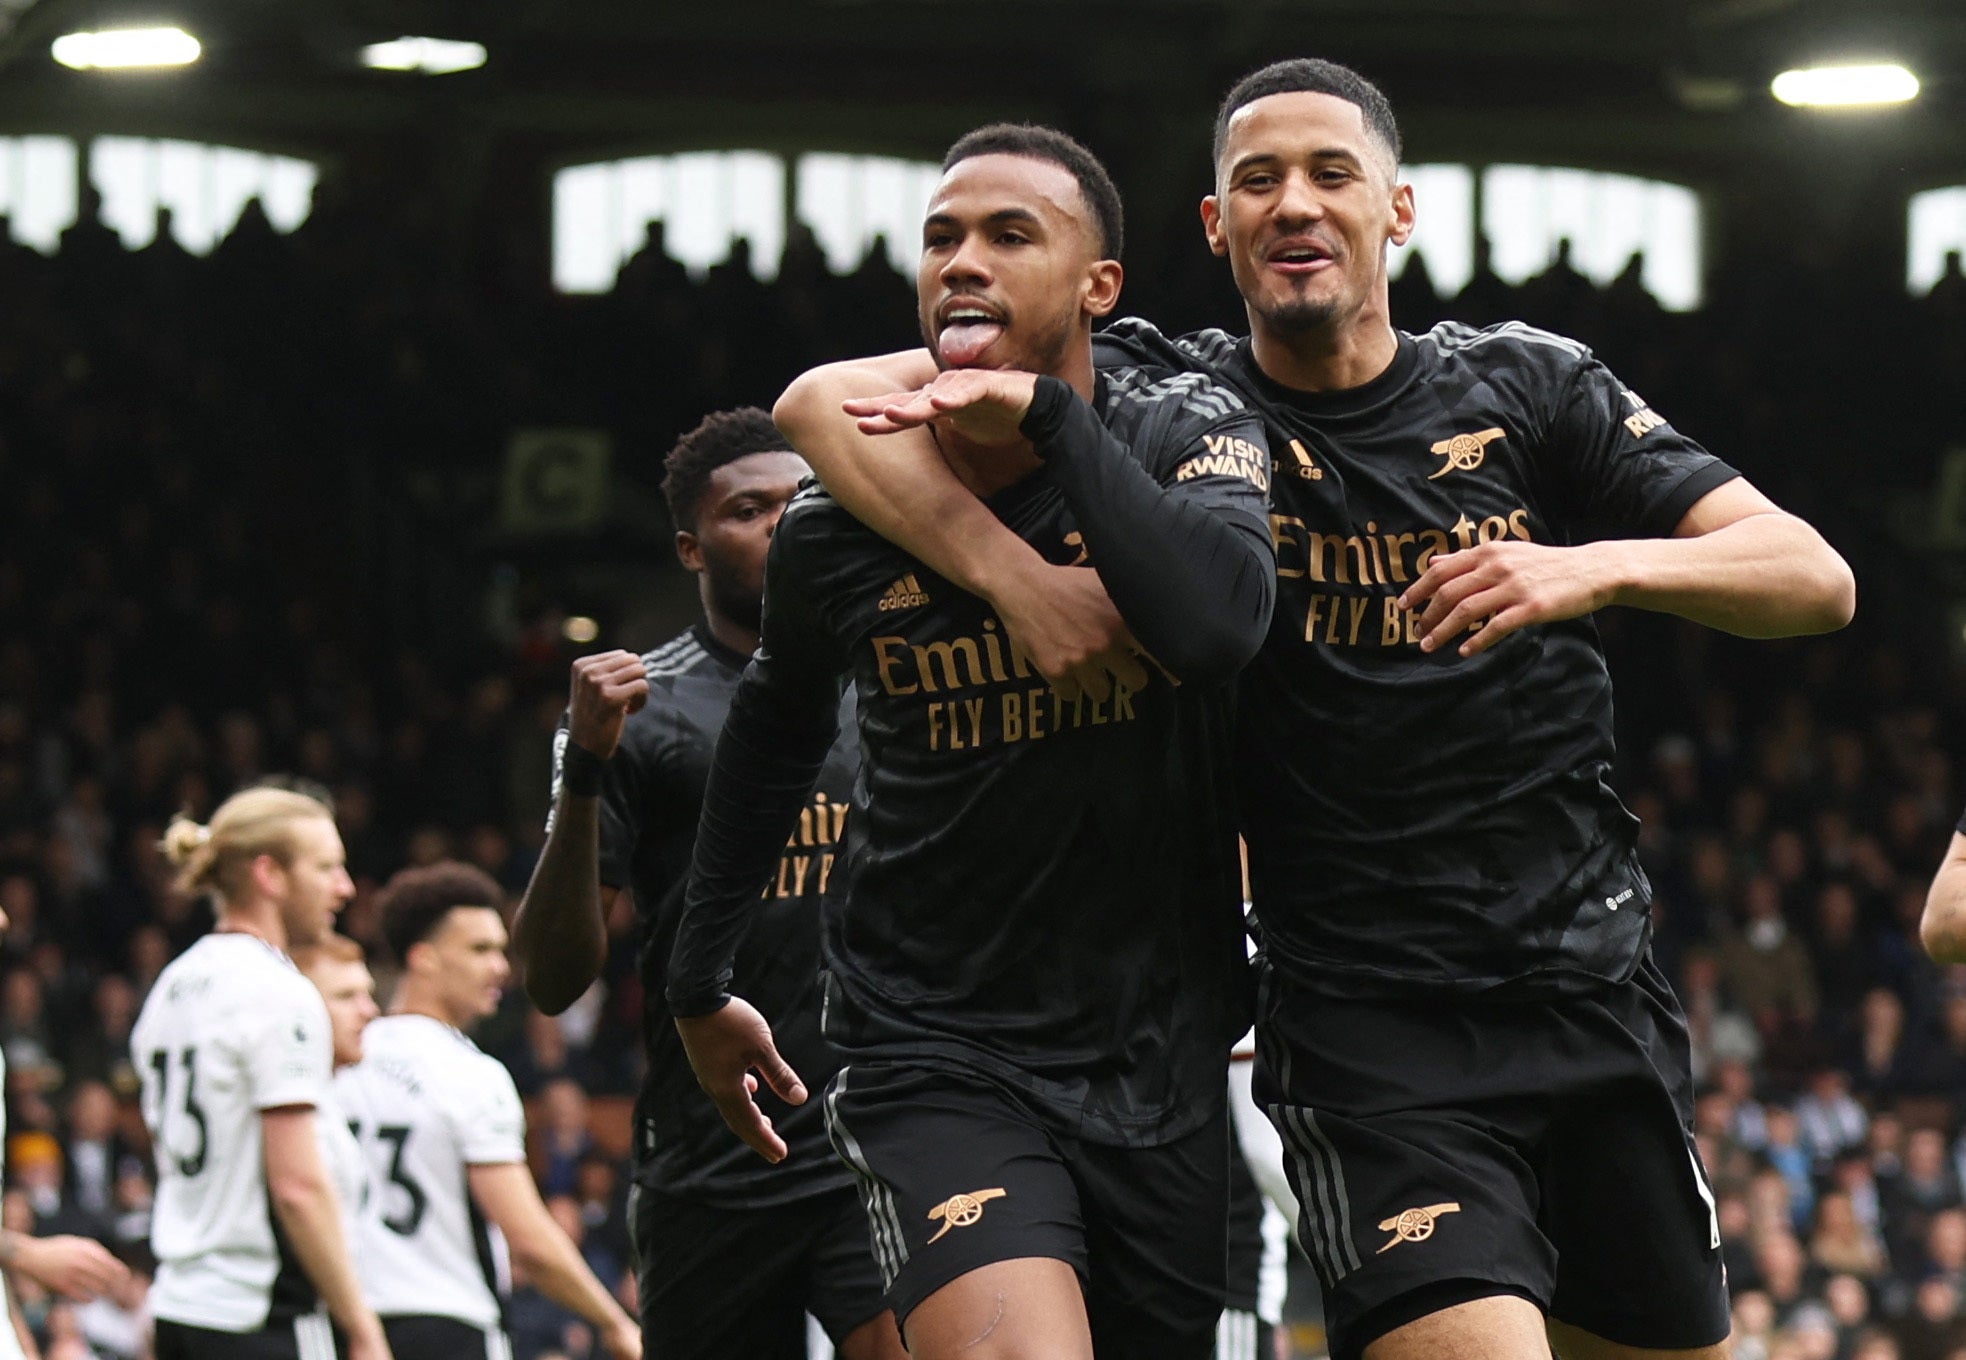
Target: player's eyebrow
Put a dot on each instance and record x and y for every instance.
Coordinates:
(1000, 218)
(1269, 158)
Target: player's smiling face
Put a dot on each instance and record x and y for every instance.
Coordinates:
(1011, 268)
(1306, 201)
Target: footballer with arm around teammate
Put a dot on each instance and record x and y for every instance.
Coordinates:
(1438, 858)
(731, 1252)
(235, 1051)
(1034, 962)
(445, 1134)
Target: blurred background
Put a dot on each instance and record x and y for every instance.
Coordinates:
(340, 345)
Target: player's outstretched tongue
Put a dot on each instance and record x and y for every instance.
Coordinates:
(963, 342)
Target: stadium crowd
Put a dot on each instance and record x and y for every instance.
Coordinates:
(224, 473)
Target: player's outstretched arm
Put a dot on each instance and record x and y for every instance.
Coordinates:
(559, 934)
(304, 1201)
(1942, 930)
(75, 1267)
(1735, 562)
(504, 1192)
(895, 481)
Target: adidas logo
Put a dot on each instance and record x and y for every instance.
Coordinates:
(906, 593)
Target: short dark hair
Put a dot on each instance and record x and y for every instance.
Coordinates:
(1311, 75)
(719, 438)
(415, 901)
(1049, 144)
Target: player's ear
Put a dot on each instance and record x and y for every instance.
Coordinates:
(1103, 281)
(1402, 214)
(269, 876)
(688, 551)
(413, 953)
(1211, 225)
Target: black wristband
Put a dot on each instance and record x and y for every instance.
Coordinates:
(1050, 399)
(580, 771)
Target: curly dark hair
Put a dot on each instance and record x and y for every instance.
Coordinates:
(415, 902)
(1049, 144)
(719, 438)
(1311, 75)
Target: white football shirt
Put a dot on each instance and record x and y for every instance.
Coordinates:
(229, 1029)
(427, 1104)
(347, 1167)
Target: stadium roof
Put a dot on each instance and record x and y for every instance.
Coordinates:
(1658, 86)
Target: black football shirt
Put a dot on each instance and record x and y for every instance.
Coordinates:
(651, 798)
(1429, 821)
(1043, 892)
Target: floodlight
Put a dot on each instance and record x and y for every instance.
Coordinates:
(431, 56)
(1822, 87)
(126, 49)
(580, 629)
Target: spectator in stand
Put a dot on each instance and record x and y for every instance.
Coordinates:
(95, 1148)
(1932, 1330)
(1785, 1274)
(1885, 1062)
(1842, 1244)
(564, 1137)
(1852, 1177)
(1766, 966)
(1787, 1155)
(1748, 1122)
(1829, 1121)
(1920, 1189)
(1754, 1325)
(1850, 1309)
(1945, 1248)
(1719, 1032)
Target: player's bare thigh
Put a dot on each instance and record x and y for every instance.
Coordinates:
(1506, 1327)
(876, 1339)
(1029, 1308)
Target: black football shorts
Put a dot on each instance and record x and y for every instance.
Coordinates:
(309, 1336)
(1448, 1149)
(716, 1283)
(957, 1173)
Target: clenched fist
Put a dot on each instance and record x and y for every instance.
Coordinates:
(607, 687)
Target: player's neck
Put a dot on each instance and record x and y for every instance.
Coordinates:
(411, 999)
(261, 920)
(1336, 359)
(723, 627)
(988, 468)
